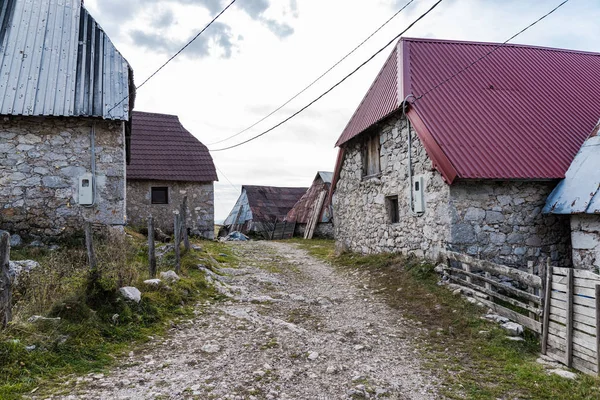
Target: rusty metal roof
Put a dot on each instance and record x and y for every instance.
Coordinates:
(265, 203)
(521, 113)
(579, 192)
(55, 60)
(162, 149)
(303, 209)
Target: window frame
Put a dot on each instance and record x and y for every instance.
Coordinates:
(392, 206)
(159, 188)
(371, 157)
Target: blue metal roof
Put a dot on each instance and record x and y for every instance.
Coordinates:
(579, 192)
(55, 60)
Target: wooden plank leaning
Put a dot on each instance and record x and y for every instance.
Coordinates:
(151, 248)
(177, 242)
(5, 281)
(523, 277)
(547, 300)
(569, 317)
(89, 245)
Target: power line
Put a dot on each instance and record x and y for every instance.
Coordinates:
(316, 80)
(334, 86)
(226, 178)
(417, 98)
(176, 54)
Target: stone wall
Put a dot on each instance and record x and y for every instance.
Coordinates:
(362, 222)
(503, 222)
(585, 237)
(201, 219)
(323, 230)
(41, 160)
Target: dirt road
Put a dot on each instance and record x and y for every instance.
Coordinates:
(295, 328)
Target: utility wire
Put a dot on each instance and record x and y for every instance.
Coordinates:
(316, 80)
(176, 54)
(226, 178)
(334, 86)
(417, 98)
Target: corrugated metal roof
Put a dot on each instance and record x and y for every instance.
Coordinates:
(303, 209)
(521, 113)
(162, 149)
(579, 192)
(55, 60)
(325, 176)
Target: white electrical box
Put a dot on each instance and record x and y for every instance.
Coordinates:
(418, 195)
(86, 190)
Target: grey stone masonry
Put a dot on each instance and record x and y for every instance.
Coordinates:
(498, 221)
(362, 221)
(201, 218)
(585, 236)
(41, 160)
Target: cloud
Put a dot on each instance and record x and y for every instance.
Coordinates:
(164, 20)
(281, 30)
(217, 36)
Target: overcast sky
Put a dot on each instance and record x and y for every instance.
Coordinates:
(262, 52)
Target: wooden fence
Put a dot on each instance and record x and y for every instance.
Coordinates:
(492, 285)
(572, 333)
(283, 230)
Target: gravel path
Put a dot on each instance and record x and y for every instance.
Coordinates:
(294, 328)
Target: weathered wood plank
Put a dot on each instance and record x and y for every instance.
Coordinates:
(546, 315)
(579, 291)
(151, 249)
(578, 350)
(578, 273)
(177, 241)
(89, 244)
(580, 300)
(580, 338)
(184, 232)
(569, 317)
(514, 316)
(497, 295)
(523, 277)
(507, 288)
(5, 281)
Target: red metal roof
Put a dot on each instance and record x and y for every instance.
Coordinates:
(162, 149)
(521, 113)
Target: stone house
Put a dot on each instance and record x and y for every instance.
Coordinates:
(167, 164)
(259, 207)
(578, 195)
(66, 95)
(428, 163)
(315, 203)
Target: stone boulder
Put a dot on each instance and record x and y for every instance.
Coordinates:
(16, 268)
(512, 328)
(153, 282)
(131, 293)
(169, 276)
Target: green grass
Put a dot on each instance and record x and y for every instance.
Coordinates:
(89, 336)
(470, 365)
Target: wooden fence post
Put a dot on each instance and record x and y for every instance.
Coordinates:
(89, 245)
(547, 300)
(184, 232)
(5, 281)
(177, 232)
(530, 289)
(598, 329)
(569, 324)
(151, 250)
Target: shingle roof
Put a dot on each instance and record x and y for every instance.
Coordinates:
(55, 60)
(162, 149)
(304, 208)
(269, 202)
(521, 113)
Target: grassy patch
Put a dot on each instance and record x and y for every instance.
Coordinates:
(472, 357)
(96, 324)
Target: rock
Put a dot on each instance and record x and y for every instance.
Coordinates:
(563, 373)
(16, 268)
(223, 255)
(359, 347)
(515, 338)
(15, 240)
(131, 293)
(53, 247)
(36, 243)
(457, 292)
(211, 348)
(331, 369)
(439, 269)
(39, 318)
(169, 276)
(512, 328)
(313, 355)
(30, 348)
(497, 318)
(153, 282)
(196, 247)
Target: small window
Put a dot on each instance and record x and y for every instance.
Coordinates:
(160, 195)
(371, 155)
(392, 209)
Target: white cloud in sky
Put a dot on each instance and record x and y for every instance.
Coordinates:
(263, 52)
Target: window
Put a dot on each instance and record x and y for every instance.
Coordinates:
(160, 195)
(371, 156)
(392, 209)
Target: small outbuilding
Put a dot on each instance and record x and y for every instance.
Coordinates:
(66, 95)
(313, 210)
(259, 208)
(578, 195)
(167, 164)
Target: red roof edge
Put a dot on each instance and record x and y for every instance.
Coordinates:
(336, 172)
(439, 159)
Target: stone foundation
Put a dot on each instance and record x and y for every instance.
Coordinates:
(200, 196)
(41, 160)
(585, 237)
(323, 230)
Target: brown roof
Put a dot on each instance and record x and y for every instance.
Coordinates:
(304, 208)
(162, 149)
(269, 202)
